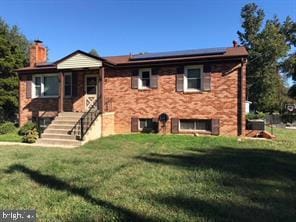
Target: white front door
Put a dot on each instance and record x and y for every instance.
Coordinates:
(91, 89)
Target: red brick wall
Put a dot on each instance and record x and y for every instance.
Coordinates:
(220, 103)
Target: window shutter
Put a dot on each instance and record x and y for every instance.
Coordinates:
(175, 125)
(206, 78)
(215, 127)
(74, 84)
(207, 68)
(135, 79)
(155, 125)
(180, 82)
(206, 81)
(29, 87)
(180, 79)
(154, 81)
(180, 70)
(135, 124)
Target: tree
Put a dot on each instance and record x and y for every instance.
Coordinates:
(267, 45)
(289, 65)
(94, 52)
(14, 54)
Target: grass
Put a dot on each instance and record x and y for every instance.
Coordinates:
(153, 178)
(10, 137)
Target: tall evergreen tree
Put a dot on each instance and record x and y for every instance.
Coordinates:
(267, 45)
(13, 54)
(289, 64)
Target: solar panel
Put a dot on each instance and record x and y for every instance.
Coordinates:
(191, 52)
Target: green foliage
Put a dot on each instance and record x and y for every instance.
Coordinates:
(27, 127)
(259, 115)
(267, 45)
(7, 127)
(31, 136)
(14, 54)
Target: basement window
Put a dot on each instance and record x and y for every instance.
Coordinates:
(146, 125)
(44, 122)
(195, 125)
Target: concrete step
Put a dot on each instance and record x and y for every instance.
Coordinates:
(58, 142)
(56, 131)
(62, 121)
(70, 114)
(60, 126)
(57, 136)
(67, 118)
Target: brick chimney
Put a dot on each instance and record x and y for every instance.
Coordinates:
(234, 44)
(38, 53)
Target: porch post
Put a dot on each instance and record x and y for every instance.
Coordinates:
(62, 92)
(102, 75)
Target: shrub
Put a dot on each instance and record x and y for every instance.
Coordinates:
(31, 136)
(259, 115)
(7, 127)
(25, 128)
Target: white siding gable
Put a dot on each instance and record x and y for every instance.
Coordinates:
(79, 61)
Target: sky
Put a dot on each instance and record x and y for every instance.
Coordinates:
(118, 27)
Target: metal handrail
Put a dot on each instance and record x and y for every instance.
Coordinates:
(82, 126)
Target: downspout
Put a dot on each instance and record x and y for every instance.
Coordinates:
(242, 99)
(102, 73)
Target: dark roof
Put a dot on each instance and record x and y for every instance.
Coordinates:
(195, 54)
(166, 57)
(191, 52)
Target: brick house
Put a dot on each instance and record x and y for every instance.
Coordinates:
(196, 91)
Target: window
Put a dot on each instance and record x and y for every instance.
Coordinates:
(192, 80)
(47, 85)
(145, 78)
(37, 86)
(68, 84)
(91, 85)
(44, 122)
(191, 125)
(51, 85)
(146, 125)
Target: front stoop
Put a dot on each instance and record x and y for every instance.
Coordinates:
(57, 133)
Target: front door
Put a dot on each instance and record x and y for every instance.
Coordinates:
(91, 89)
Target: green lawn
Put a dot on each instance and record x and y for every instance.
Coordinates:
(153, 178)
(10, 137)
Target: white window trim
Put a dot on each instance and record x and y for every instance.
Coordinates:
(42, 85)
(185, 83)
(140, 83)
(68, 74)
(191, 130)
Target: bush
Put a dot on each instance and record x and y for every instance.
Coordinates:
(25, 128)
(7, 127)
(259, 115)
(31, 136)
